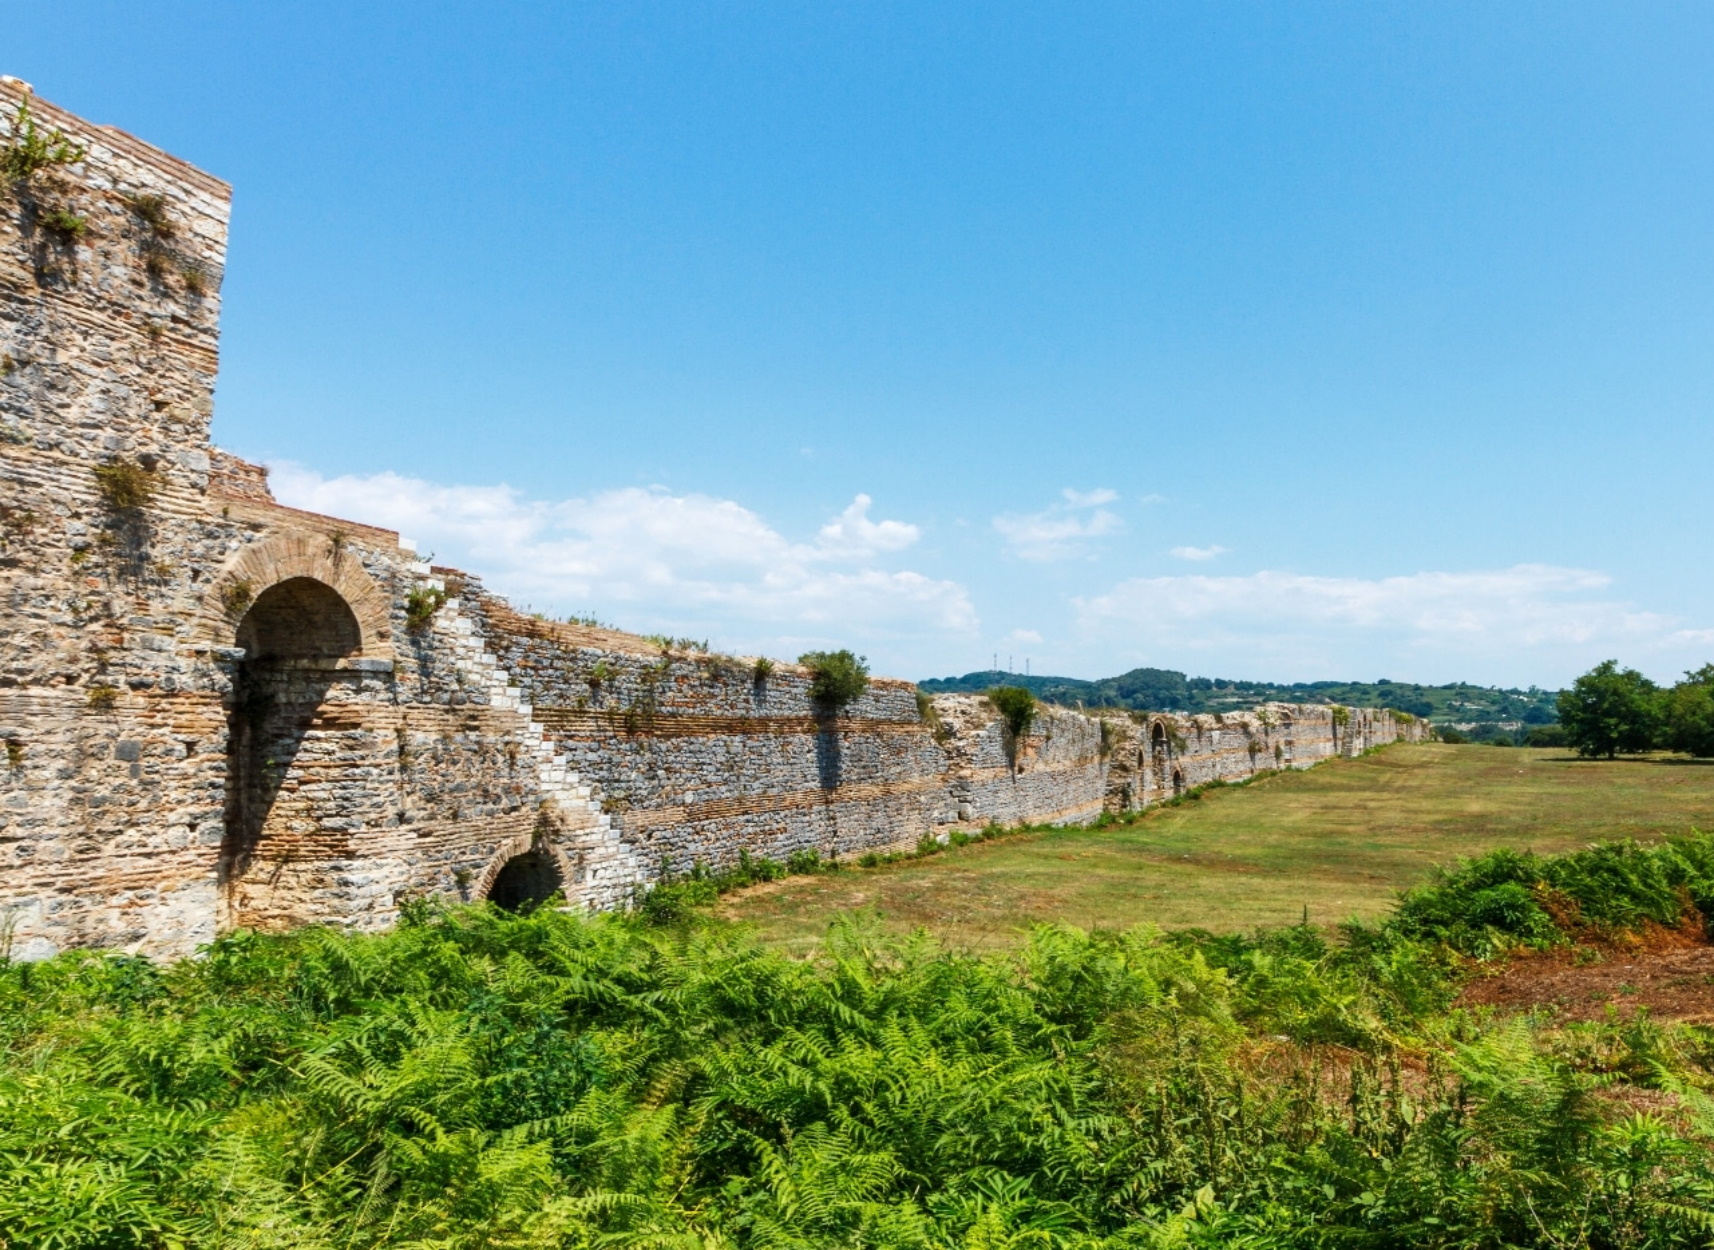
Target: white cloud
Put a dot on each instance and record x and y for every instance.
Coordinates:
(852, 533)
(1023, 635)
(649, 558)
(1199, 553)
(1503, 622)
(1089, 498)
(1061, 530)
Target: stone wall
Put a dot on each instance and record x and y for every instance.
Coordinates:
(220, 712)
(1156, 756)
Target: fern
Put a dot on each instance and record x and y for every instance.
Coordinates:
(479, 1078)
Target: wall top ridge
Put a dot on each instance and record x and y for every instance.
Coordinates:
(600, 637)
(246, 507)
(13, 90)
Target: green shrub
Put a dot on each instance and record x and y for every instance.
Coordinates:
(837, 679)
(675, 902)
(802, 863)
(30, 150)
(1017, 709)
(125, 486)
(1546, 736)
(63, 222)
(1517, 897)
(421, 603)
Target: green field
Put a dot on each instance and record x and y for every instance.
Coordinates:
(1338, 840)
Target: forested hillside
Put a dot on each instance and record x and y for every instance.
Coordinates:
(1167, 690)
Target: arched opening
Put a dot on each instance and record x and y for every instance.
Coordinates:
(293, 636)
(299, 619)
(525, 882)
(1157, 749)
(1177, 783)
(1286, 743)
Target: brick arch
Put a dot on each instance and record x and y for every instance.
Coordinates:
(523, 844)
(282, 557)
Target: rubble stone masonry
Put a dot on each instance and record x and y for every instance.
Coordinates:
(219, 712)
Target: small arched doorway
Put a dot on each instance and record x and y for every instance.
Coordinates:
(1158, 752)
(1177, 783)
(294, 634)
(526, 881)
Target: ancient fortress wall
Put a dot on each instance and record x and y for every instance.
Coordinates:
(221, 712)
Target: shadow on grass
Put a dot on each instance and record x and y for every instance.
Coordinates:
(1662, 761)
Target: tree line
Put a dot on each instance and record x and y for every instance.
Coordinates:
(1610, 710)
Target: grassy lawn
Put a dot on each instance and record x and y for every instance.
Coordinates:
(1338, 839)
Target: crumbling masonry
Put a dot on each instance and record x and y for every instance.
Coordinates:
(218, 711)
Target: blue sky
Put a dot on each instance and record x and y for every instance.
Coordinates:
(1291, 342)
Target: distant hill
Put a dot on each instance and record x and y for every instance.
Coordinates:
(1166, 690)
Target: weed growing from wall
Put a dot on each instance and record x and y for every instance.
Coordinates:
(236, 598)
(421, 603)
(16, 524)
(102, 698)
(151, 210)
(929, 714)
(66, 224)
(126, 487)
(30, 149)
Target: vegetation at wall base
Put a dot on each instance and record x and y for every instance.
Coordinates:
(476, 1078)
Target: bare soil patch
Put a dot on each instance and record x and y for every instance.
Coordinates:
(1670, 972)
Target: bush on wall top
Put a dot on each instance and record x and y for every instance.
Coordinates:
(837, 679)
(1016, 706)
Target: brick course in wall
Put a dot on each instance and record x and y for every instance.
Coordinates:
(222, 712)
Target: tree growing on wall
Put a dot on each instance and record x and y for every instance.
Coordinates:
(837, 679)
(1609, 710)
(1017, 709)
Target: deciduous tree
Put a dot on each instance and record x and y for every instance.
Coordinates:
(1609, 709)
